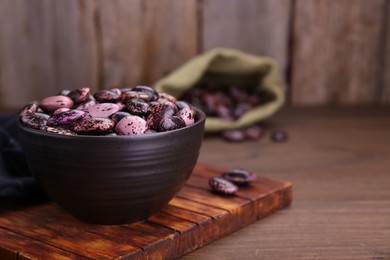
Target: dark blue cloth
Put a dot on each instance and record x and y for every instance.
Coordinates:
(16, 181)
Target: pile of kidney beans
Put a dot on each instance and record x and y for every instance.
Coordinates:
(126, 111)
(228, 103)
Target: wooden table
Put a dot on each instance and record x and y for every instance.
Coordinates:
(338, 160)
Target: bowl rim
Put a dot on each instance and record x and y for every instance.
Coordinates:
(199, 113)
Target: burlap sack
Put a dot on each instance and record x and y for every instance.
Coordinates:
(227, 66)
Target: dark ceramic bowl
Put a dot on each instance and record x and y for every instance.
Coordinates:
(113, 179)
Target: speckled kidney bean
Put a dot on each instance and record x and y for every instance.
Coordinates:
(152, 94)
(35, 120)
(239, 176)
(137, 106)
(31, 118)
(93, 125)
(169, 123)
(79, 95)
(127, 95)
(107, 96)
(188, 115)
(222, 186)
(50, 104)
(233, 135)
(66, 118)
(156, 113)
(169, 103)
(254, 132)
(131, 125)
(102, 109)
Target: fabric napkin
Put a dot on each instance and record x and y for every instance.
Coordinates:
(16, 181)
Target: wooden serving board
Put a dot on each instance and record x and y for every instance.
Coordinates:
(194, 217)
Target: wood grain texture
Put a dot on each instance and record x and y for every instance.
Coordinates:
(22, 68)
(385, 93)
(144, 40)
(75, 46)
(328, 52)
(12, 242)
(194, 218)
(257, 27)
(45, 46)
(338, 160)
(336, 52)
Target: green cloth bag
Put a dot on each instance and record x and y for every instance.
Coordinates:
(228, 66)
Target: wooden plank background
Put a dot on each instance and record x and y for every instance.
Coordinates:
(328, 52)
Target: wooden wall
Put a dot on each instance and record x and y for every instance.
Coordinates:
(329, 51)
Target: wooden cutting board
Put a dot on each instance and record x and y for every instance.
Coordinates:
(194, 217)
